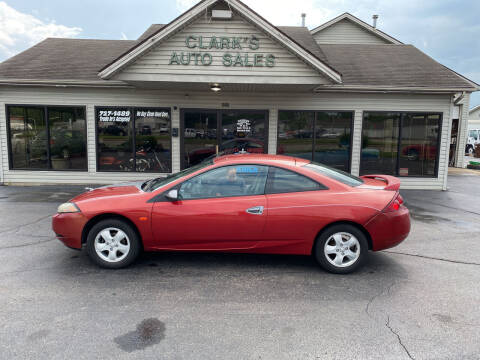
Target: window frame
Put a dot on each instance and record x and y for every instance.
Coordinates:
(178, 186)
(269, 182)
(47, 127)
(314, 124)
(399, 139)
(133, 110)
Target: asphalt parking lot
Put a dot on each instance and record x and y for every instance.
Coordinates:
(419, 300)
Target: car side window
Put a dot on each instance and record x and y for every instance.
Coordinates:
(286, 181)
(226, 181)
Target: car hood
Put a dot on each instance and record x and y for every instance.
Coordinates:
(111, 190)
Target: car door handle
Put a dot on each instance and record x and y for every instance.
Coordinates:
(256, 210)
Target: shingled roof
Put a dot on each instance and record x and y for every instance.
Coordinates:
(64, 59)
(390, 66)
(360, 64)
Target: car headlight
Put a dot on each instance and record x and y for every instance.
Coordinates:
(68, 208)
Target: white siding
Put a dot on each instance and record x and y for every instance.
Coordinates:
(346, 32)
(356, 142)
(154, 66)
(261, 101)
(462, 131)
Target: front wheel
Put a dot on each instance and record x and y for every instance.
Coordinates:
(113, 244)
(341, 249)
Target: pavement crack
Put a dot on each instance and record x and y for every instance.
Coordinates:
(29, 244)
(18, 228)
(372, 299)
(387, 324)
(432, 258)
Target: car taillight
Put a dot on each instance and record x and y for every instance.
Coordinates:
(395, 204)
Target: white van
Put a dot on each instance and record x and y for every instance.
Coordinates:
(472, 141)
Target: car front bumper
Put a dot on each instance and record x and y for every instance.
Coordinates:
(68, 228)
(389, 229)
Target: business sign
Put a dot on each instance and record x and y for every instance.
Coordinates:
(152, 113)
(238, 51)
(121, 116)
(243, 125)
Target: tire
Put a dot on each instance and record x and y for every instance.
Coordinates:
(346, 251)
(119, 252)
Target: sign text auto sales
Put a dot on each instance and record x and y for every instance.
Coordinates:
(237, 52)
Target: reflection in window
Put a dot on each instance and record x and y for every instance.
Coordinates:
(200, 136)
(379, 143)
(68, 145)
(320, 136)
(332, 139)
(243, 131)
(152, 141)
(134, 139)
(286, 181)
(419, 145)
(115, 140)
(37, 132)
(227, 181)
(400, 144)
(295, 129)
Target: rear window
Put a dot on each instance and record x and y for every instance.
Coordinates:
(335, 174)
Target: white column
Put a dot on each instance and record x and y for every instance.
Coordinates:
(356, 142)
(272, 130)
(91, 139)
(462, 131)
(176, 141)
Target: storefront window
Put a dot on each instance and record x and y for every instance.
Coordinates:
(134, 139)
(332, 139)
(380, 143)
(322, 136)
(47, 138)
(295, 133)
(200, 136)
(68, 145)
(400, 144)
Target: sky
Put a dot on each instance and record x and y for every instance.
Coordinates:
(447, 30)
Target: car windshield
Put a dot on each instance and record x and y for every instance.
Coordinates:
(156, 183)
(335, 174)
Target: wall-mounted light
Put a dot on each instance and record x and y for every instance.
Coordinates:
(215, 87)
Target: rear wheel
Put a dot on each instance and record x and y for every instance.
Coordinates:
(341, 249)
(113, 244)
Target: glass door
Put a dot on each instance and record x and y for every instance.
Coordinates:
(233, 131)
(199, 136)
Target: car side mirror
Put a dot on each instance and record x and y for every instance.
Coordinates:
(172, 195)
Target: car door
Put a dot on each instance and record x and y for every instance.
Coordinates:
(293, 211)
(221, 209)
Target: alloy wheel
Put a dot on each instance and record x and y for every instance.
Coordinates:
(112, 244)
(342, 249)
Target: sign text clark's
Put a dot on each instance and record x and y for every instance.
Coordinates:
(243, 59)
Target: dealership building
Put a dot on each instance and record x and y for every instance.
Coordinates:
(221, 78)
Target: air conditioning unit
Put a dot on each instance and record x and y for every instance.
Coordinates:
(221, 14)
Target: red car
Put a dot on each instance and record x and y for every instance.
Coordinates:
(251, 203)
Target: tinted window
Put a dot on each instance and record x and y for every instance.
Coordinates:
(400, 144)
(48, 138)
(286, 181)
(335, 174)
(134, 139)
(237, 180)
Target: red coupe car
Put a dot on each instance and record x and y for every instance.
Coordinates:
(251, 203)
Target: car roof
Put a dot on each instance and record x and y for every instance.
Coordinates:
(260, 158)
